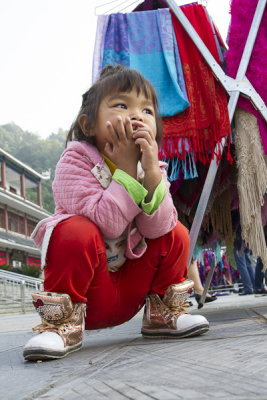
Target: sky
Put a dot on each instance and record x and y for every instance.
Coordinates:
(46, 49)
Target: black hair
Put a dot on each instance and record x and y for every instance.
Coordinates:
(113, 78)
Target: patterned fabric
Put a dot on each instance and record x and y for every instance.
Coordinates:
(102, 174)
(146, 42)
(206, 121)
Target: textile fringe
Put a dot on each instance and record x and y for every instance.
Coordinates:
(251, 182)
(203, 150)
(175, 165)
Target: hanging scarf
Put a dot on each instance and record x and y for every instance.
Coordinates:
(242, 13)
(101, 29)
(251, 181)
(145, 41)
(206, 121)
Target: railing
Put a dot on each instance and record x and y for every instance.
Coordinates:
(17, 288)
(235, 288)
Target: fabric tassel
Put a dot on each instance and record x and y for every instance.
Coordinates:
(175, 168)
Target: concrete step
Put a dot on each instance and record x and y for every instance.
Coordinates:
(10, 307)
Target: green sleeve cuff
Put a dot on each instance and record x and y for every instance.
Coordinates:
(156, 200)
(134, 188)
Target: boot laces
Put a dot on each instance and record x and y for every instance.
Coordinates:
(180, 309)
(175, 310)
(48, 326)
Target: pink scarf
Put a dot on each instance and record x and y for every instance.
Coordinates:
(242, 13)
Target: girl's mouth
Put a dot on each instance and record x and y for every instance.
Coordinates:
(136, 125)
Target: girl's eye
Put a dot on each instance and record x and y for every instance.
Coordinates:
(148, 111)
(120, 105)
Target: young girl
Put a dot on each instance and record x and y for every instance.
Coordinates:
(114, 242)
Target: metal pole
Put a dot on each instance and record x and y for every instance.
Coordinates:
(4, 289)
(207, 283)
(22, 295)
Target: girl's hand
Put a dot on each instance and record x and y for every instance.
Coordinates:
(122, 149)
(148, 145)
(149, 158)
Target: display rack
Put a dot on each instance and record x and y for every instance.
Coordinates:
(234, 87)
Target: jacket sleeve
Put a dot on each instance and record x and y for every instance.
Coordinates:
(163, 220)
(77, 191)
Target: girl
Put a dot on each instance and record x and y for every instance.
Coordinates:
(114, 240)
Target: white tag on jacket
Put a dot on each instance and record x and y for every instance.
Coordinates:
(102, 174)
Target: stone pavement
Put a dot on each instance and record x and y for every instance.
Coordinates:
(228, 362)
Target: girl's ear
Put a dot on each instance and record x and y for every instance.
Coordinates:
(83, 122)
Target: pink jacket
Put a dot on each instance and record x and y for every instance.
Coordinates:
(83, 185)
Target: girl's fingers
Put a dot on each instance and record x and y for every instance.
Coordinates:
(113, 134)
(120, 129)
(128, 128)
(108, 149)
(143, 128)
(142, 143)
(144, 135)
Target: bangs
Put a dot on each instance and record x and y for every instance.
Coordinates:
(126, 81)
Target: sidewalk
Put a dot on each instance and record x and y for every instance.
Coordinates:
(228, 362)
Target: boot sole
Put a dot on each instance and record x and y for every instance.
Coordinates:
(171, 334)
(36, 354)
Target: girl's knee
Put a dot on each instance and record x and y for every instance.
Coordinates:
(78, 231)
(181, 234)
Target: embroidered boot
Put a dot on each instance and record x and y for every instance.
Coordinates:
(60, 332)
(168, 317)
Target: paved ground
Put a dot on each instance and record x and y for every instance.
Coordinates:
(228, 362)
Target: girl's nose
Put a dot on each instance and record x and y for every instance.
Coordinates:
(136, 116)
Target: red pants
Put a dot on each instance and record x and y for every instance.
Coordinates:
(77, 265)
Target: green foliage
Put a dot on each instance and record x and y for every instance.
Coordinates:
(31, 194)
(31, 270)
(40, 154)
(5, 267)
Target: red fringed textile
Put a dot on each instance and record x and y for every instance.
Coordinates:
(206, 121)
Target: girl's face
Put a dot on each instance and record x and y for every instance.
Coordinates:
(137, 107)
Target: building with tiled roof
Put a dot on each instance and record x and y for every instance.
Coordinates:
(20, 210)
